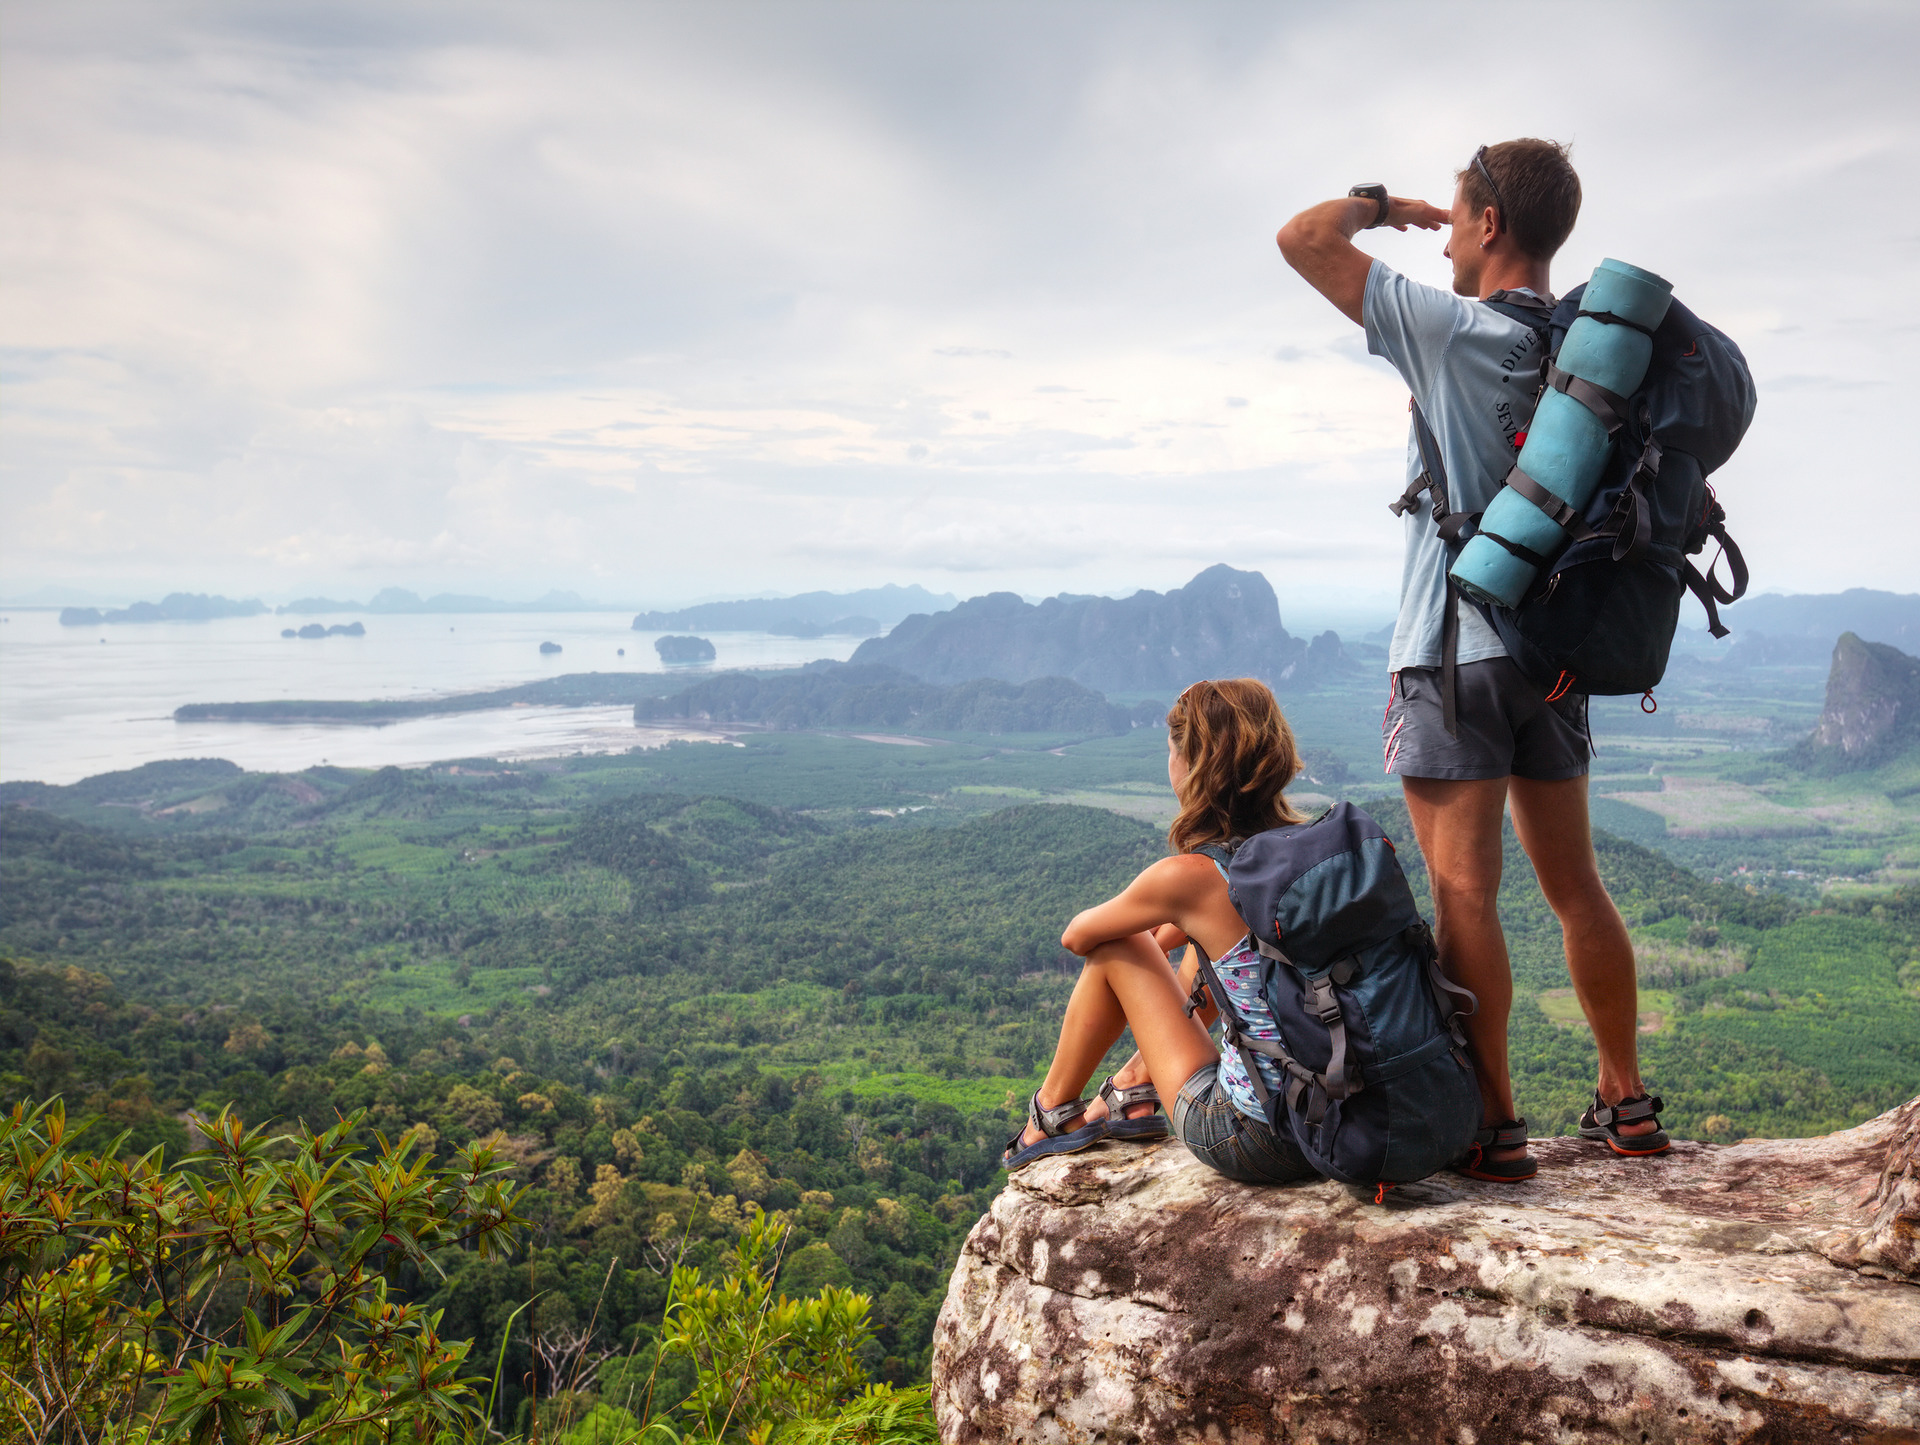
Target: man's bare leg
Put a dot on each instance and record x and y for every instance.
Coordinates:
(1551, 819)
(1457, 824)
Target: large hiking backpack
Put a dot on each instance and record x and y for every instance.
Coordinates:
(1379, 1088)
(1600, 617)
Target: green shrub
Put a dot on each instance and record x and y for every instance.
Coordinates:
(245, 1293)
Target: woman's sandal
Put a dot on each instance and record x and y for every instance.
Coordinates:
(1603, 1121)
(1510, 1135)
(1142, 1130)
(1058, 1139)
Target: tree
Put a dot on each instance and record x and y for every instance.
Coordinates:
(249, 1292)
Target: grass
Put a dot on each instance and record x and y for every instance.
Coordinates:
(1560, 1005)
(967, 1095)
(429, 986)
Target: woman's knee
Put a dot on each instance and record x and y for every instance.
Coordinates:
(1137, 949)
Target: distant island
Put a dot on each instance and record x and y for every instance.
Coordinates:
(810, 614)
(174, 607)
(842, 695)
(575, 689)
(397, 601)
(549, 647)
(339, 629)
(1224, 623)
(684, 649)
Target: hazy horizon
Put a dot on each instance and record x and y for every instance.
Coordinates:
(663, 304)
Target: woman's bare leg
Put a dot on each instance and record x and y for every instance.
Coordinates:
(1126, 983)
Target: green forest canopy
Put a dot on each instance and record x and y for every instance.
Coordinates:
(669, 1005)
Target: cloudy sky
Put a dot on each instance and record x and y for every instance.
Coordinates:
(670, 301)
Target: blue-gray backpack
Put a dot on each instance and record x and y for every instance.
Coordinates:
(1379, 1089)
(1600, 617)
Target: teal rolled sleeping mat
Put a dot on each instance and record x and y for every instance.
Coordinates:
(1567, 444)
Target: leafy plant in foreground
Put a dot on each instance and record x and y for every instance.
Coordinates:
(245, 1293)
(769, 1368)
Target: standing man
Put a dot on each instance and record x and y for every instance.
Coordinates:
(1465, 751)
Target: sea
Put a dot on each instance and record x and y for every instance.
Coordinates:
(76, 701)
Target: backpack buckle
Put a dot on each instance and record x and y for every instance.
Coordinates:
(1326, 1007)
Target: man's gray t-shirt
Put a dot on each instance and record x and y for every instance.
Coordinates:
(1473, 372)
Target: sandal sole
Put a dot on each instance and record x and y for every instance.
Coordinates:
(1139, 1131)
(1073, 1143)
(1601, 1136)
(1499, 1178)
(1638, 1153)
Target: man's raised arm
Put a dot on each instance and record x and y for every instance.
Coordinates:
(1318, 243)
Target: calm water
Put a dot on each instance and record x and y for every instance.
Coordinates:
(75, 701)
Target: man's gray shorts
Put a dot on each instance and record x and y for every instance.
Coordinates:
(1505, 726)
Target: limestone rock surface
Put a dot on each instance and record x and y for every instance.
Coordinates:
(1762, 1291)
(1873, 704)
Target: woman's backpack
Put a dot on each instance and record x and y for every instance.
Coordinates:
(1379, 1088)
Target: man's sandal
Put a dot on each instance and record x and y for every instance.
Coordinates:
(1142, 1130)
(1602, 1122)
(1510, 1135)
(1058, 1138)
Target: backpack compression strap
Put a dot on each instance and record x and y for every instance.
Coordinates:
(1707, 587)
(1450, 524)
(1337, 1082)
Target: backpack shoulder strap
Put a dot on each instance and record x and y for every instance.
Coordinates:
(1432, 478)
(1220, 853)
(1522, 306)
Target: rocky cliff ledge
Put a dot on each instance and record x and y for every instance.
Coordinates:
(1763, 1291)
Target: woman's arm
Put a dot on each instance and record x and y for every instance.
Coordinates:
(1163, 894)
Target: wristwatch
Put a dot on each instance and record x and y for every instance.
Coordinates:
(1376, 193)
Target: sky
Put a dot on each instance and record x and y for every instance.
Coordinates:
(667, 302)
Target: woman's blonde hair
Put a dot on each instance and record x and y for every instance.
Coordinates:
(1240, 755)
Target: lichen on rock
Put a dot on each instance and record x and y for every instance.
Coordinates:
(1768, 1290)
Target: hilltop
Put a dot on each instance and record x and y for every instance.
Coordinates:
(1223, 623)
(836, 695)
(174, 607)
(810, 614)
(1801, 628)
(1873, 707)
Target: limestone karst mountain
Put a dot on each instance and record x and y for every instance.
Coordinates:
(174, 607)
(1223, 623)
(1873, 706)
(810, 614)
(835, 695)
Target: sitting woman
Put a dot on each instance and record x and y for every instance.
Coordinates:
(1230, 753)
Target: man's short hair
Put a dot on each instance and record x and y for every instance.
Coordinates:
(1539, 196)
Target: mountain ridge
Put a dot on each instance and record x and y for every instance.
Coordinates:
(1223, 623)
(806, 614)
(1872, 711)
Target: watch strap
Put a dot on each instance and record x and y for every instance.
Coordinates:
(1376, 192)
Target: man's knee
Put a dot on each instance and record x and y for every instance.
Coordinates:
(1467, 893)
(1577, 894)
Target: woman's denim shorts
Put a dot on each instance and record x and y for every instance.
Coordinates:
(1224, 1139)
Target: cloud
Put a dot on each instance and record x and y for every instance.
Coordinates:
(640, 294)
